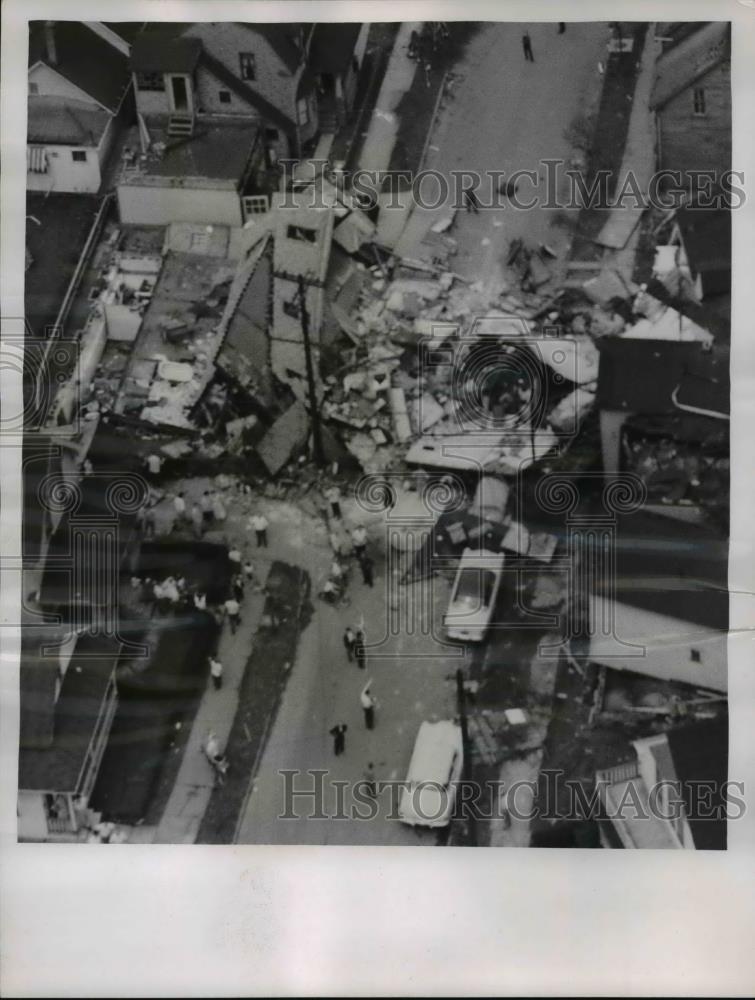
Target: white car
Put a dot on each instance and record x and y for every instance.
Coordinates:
(475, 590)
(429, 795)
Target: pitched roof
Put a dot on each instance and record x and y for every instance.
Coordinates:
(282, 38)
(333, 46)
(156, 54)
(707, 242)
(127, 30)
(693, 57)
(268, 111)
(700, 753)
(84, 59)
(61, 121)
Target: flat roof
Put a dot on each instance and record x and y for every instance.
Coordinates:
(215, 152)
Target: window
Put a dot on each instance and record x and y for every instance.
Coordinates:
(247, 67)
(150, 81)
(33, 88)
(254, 204)
(698, 97)
(224, 96)
(694, 655)
(302, 111)
(301, 233)
(292, 309)
(79, 155)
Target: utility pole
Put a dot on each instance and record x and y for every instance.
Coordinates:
(302, 282)
(461, 700)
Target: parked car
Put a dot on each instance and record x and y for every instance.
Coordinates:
(474, 594)
(429, 795)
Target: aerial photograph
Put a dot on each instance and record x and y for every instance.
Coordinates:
(376, 448)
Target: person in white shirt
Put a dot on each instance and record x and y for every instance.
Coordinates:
(216, 672)
(260, 524)
(200, 602)
(368, 705)
(233, 613)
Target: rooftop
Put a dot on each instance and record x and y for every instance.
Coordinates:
(332, 46)
(688, 60)
(55, 245)
(57, 768)
(151, 54)
(60, 120)
(84, 59)
(707, 242)
(216, 152)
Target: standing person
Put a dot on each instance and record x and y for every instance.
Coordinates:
(349, 641)
(260, 524)
(249, 571)
(216, 672)
(368, 705)
(206, 505)
(218, 508)
(179, 509)
(561, 27)
(368, 776)
(333, 496)
(197, 520)
(367, 566)
(359, 650)
(527, 46)
(359, 541)
(233, 613)
(238, 588)
(471, 201)
(338, 732)
(154, 464)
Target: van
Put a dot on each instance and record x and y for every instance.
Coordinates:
(429, 794)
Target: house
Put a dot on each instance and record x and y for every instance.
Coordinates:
(211, 176)
(279, 76)
(661, 606)
(672, 795)
(704, 238)
(691, 98)
(80, 96)
(664, 415)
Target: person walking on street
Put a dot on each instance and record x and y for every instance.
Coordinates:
(367, 566)
(216, 672)
(359, 650)
(206, 505)
(368, 705)
(471, 201)
(368, 776)
(260, 524)
(233, 613)
(179, 508)
(359, 541)
(338, 732)
(238, 588)
(349, 641)
(218, 759)
(527, 46)
(333, 496)
(249, 571)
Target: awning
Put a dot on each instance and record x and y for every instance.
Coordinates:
(36, 159)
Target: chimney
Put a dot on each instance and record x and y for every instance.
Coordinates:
(52, 52)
